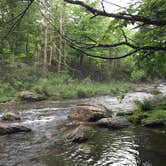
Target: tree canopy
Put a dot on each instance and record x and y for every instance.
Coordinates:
(65, 35)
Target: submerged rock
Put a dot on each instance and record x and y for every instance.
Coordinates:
(78, 134)
(10, 129)
(9, 116)
(88, 113)
(114, 123)
(158, 123)
(86, 148)
(30, 96)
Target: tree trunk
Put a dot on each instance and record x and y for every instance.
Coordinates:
(36, 51)
(46, 17)
(60, 43)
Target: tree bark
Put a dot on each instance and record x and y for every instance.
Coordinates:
(45, 38)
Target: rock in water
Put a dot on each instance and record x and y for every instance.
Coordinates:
(87, 113)
(158, 123)
(10, 129)
(79, 134)
(30, 96)
(9, 116)
(114, 123)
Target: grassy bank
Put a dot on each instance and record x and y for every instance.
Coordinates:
(148, 111)
(61, 86)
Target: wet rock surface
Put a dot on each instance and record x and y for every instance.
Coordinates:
(30, 96)
(78, 134)
(114, 123)
(87, 112)
(10, 129)
(158, 123)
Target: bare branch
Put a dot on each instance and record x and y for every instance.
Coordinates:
(103, 57)
(152, 48)
(121, 7)
(122, 16)
(124, 35)
(18, 19)
(102, 4)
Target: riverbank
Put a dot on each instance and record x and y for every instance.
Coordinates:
(117, 89)
(59, 88)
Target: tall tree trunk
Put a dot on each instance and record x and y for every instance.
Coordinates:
(60, 42)
(27, 44)
(64, 33)
(36, 51)
(51, 54)
(46, 17)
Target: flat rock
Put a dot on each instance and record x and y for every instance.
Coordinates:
(30, 96)
(88, 112)
(114, 122)
(9, 116)
(158, 123)
(10, 129)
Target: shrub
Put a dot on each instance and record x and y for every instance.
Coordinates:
(146, 105)
(138, 75)
(81, 94)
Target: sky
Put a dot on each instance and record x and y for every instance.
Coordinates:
(113, 8)
(110, 8)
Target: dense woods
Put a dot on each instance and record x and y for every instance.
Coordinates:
(40, 39)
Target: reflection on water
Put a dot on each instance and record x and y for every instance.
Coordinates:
(134, 146)
(129, 147)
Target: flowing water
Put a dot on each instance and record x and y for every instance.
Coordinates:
(45, 146)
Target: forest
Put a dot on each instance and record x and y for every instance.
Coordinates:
(73, 67)
(50, 43)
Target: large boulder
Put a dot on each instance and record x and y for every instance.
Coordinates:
(9, 116)
(10, 129)
(78, 134)
(30, 96)
(158, 123)
(114, 122)
(88, 112)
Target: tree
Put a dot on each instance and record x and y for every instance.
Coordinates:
(73, 36)
(124, 19)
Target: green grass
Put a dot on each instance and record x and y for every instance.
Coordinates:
(7, 92)
(62, 86)
(146, 105)
(148, 111)
(65, 88)
(157, 114)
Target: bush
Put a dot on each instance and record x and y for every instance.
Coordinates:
(81, 94)
(146, 106)
(137, 117)
(138, 75)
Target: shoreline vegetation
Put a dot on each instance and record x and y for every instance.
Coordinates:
(64, 87)
(59, 86)
(56, 86)
(148, 113)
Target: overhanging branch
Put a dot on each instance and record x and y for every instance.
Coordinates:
(147, 48)
(17, 19)
(122, 16)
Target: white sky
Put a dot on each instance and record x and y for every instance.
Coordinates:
(110, 8)
(113, 8)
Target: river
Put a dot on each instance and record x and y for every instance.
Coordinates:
(45, 146)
